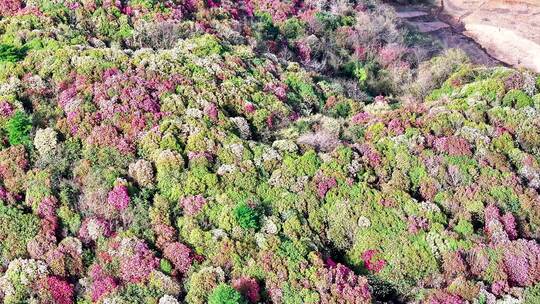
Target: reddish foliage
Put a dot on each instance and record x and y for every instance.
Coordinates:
(341, 285)
(455, 146)
(137, 267)
(180, 255)
(61, 291)
(370, 262)
(324, 185)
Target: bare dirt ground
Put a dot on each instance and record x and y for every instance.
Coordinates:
(509, 30)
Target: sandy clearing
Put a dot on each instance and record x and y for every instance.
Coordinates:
(506, 45)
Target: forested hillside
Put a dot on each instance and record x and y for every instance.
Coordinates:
(259, 151)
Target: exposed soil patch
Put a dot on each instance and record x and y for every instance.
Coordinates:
(446, 30)
(507, 30)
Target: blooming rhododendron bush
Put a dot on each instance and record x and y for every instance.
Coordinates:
(258, 151)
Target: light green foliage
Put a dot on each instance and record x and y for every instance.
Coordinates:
(417, 174)
(468, 168)
(305, 165)
(17, 229)
(199, 180)
(138, 293)
(490, 90)
(69, 218)
(37, 188)
(225, 294)
(464, 228)
(301, 91)
(165, 266)
(532, 295)
(439, 93)
(503, 143)
(207, 45)
(169, 167)
(517, 99)
(359, 71)
(106, 157)
(505, 198)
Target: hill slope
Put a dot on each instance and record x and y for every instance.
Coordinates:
(258, 152)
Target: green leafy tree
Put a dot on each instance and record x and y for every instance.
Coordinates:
(532, 294)
(18, 128)
(18, 229)
(246, 216)
(225, 294)
(9, 53)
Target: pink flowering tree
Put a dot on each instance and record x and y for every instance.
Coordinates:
(324, 185)
(341, 285)
(248, 287)
(137, 262)
(371, 262)
(9, 7)
(192, 204)
(180, 255)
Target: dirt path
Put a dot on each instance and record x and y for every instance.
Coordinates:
(490, 31)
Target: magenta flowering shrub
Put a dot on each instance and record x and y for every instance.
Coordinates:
(339, 283)
(371, 262)
(324, 185)
(192, 204)
(9, 7)
(278, 10)
(101, 283)
(454, 146)
(443, 297)
(136, 266)
(61, 291)
(118, 197)
(499, 228)
(521, 261)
